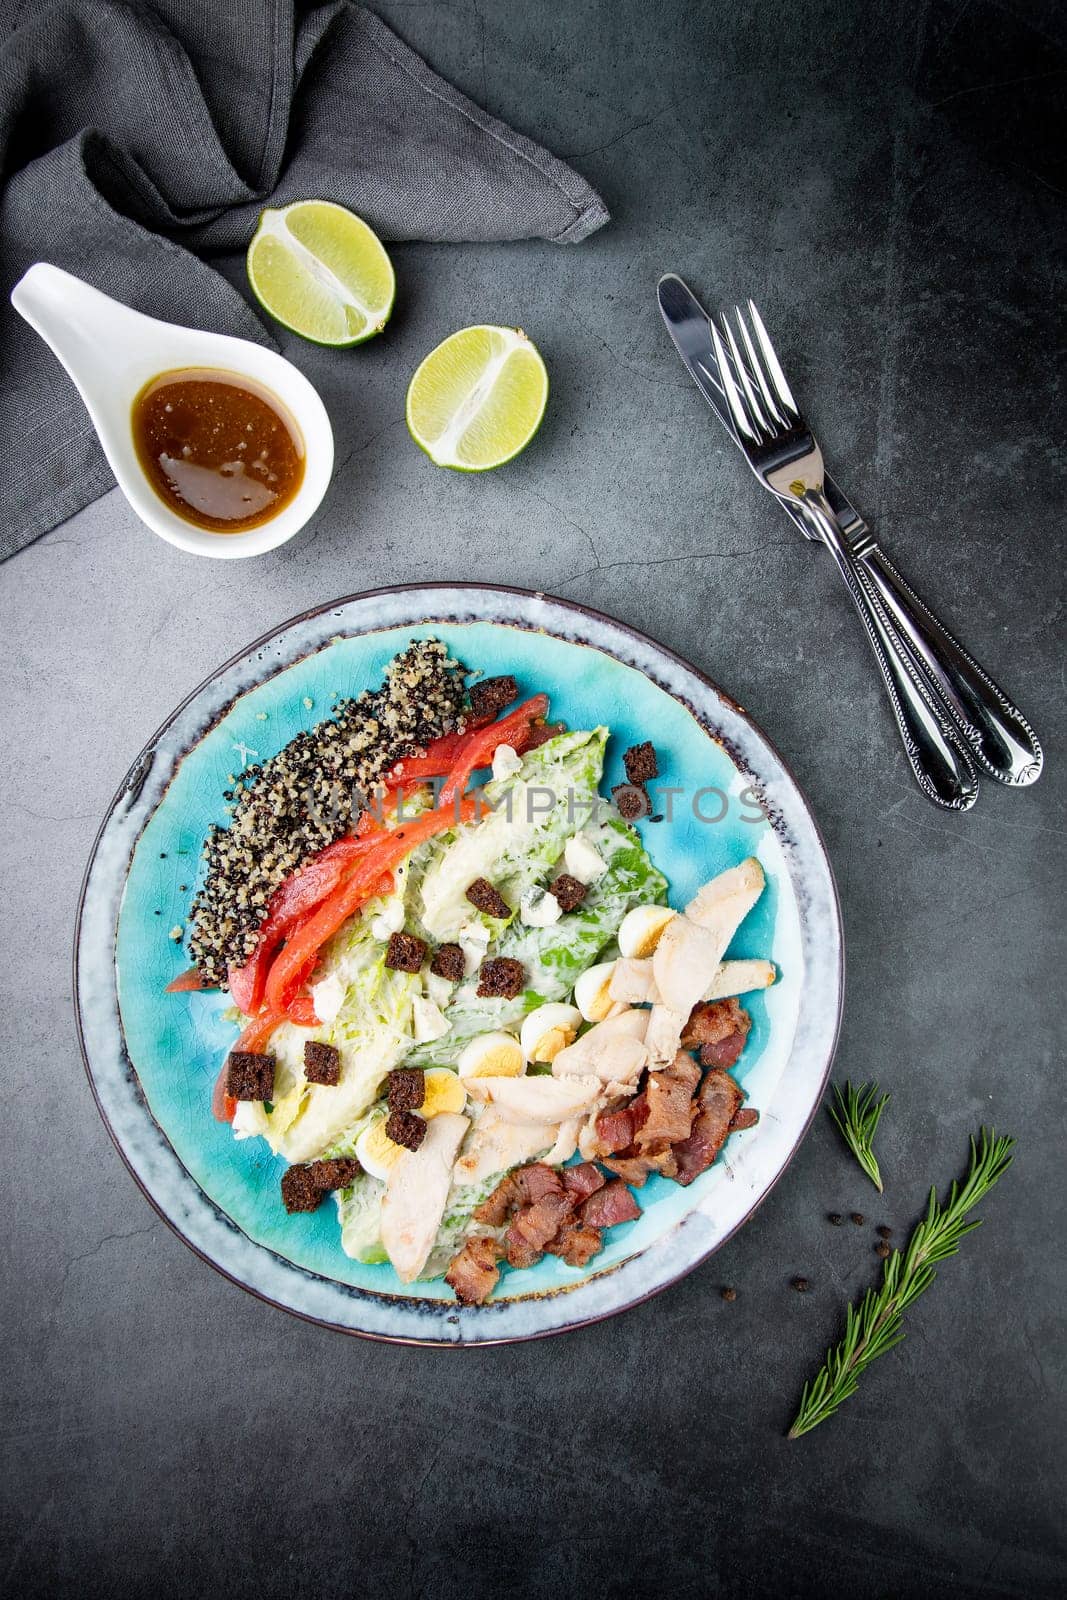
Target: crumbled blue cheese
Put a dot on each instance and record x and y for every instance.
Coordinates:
(428, 1021)
(473, 939)
(328, 997)
(391, 920)
(583, 860)
(505, 762)
(438, 989)
(539, 909)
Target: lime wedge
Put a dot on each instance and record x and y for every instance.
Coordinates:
(478, 399)
(319, 270)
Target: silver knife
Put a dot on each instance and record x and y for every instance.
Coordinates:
(993, 730)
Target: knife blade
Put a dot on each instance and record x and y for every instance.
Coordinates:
(688, 324)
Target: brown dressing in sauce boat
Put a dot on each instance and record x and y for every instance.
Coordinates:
(219, 449)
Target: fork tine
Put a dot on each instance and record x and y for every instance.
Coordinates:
(754, 408)
(782, 389)
(756, 368)
(734, 401)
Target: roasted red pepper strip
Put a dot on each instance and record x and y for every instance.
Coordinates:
(384, 852)
(293, 900)
(480, 747)
(223, 1105)
(188, 980)
(439, 757)
(301, 1010)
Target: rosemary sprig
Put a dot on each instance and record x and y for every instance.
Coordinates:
(876, 1324)
(857, 1113)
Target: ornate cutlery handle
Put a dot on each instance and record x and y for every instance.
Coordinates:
(1000, 739)
(942, 769)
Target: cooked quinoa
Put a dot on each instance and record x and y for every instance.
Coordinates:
(295, 804)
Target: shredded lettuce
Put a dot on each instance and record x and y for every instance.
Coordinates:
(526, 821)
(554, 957)
(455, 1224)
(372, 1031)
(359, 1209)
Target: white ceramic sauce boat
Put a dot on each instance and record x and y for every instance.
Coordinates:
(111, 352)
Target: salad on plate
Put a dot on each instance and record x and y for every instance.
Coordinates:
(467, 1011)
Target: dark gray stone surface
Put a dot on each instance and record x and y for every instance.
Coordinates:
(884, 180)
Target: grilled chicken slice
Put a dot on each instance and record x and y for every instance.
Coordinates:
(724, 902)
(612, 1050)
(540, 1098)
(740, 977)
(415, 1194)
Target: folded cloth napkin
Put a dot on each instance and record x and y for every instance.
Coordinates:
(134, 134)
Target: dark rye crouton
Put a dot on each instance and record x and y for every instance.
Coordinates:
(640, 762)
(407, 1088)
(322, 1062)
(335, 1173)
(249, 1076)
(448, 962)
(501, 977)
(304, 1187)
(489, 698)
(631, 800)
(405, 1128)
(484, 897)
(570, 892)
(405, 952)
(300, 1192)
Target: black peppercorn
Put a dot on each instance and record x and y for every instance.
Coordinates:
(801, 1285)
(836, 1218)
(858, 1218)
(882, 1249)
(883, 1232)
(728, 1294)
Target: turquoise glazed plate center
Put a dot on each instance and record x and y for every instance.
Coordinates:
(723, 794)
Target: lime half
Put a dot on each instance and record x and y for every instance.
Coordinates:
(478, 399)
(321, 271)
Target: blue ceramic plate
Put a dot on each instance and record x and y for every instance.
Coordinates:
(152, 1059)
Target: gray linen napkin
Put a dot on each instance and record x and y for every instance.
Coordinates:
(134, 134)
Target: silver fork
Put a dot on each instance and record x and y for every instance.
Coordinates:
(783, 453)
